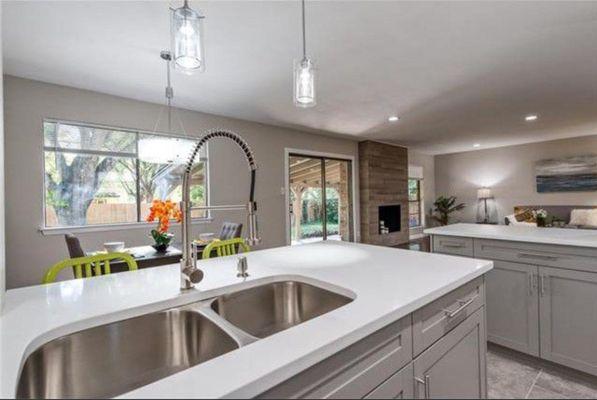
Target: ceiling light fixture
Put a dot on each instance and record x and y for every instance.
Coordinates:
(531, 117)
(393, 118)
(304, 74)
(477, 145)
(186, 30)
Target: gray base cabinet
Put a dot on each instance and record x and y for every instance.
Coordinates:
(450, 338)
(455, 366)
(513, 306)
(568, 303)
(541, 299)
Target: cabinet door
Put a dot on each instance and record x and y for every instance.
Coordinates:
(568, 303)
(454, 367)
(512, 306)
(399, 386)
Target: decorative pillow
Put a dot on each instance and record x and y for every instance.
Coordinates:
(579, 217)
(525, 216)
(592, 218)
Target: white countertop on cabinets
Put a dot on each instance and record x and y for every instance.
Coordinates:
(387, 284)
(530, 234)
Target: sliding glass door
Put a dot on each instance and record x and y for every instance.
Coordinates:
(320, 194)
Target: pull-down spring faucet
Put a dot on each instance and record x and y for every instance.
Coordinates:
(190, 274)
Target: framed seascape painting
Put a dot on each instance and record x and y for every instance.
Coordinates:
(569, 174)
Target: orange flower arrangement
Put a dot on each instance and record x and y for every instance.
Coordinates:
(163, 211)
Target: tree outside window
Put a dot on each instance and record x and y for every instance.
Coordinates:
(96, 176)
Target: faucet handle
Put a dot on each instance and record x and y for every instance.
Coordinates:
(242, 267)
(194, 275)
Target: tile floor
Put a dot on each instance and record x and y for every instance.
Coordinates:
(511, 375)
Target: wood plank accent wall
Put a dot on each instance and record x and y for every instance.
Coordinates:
(383, 174)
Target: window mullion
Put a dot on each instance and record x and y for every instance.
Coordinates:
(138, 177)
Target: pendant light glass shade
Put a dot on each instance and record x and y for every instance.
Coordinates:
(159, 150)
(187, 39)
(304, 83)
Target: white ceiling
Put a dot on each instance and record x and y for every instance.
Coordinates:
(457, 73)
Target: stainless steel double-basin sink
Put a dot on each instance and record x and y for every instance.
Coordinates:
(113, 359)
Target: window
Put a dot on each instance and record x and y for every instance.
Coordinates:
(414, 203)
(98, 175)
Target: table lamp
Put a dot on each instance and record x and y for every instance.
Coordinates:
(484, 194)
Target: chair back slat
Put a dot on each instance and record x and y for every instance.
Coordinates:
(97, 268)
(88, 270)
(89, 266)
(225, 247)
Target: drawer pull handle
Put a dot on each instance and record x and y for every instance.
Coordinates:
(463, 304)
(425, 383)
(537, 256)
(452, 246)
(542, 285)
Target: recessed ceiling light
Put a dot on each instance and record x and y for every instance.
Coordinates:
(477, 145)
(531, 117)
(393, 118)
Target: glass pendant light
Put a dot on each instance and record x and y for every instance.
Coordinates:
(187, 39)
(304, 75)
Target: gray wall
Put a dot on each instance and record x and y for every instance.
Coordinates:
(509, 171)
(427, 163)
(27, 102)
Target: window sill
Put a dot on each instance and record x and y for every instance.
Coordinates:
(61, 230)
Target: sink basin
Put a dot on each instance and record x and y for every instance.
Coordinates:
(113, 359)
(267, 309)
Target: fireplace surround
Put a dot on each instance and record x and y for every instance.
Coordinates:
(383, 177)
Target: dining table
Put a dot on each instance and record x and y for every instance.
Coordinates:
(147, 256)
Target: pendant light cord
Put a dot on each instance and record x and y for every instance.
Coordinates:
(169, 96)
(304, 36)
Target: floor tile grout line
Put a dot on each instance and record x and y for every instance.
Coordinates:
(533, 384)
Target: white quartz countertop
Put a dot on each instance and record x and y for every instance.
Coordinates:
(531, 234)
(387, 284)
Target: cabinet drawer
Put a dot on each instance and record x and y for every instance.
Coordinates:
(568, 257)
(458, 246)
(355, 371)
(399, 386)
(434, 320)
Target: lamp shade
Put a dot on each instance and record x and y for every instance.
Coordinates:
(484, 193)
(186, 27)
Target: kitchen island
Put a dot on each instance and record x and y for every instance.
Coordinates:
(542, 292)
(406, 314)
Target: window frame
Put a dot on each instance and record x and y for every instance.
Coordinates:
(419, 201)
(139, 224)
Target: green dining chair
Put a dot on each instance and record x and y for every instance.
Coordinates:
(225, 247)
(89, 266)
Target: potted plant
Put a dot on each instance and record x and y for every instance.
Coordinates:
(163, 212)
(444, 206)
(540, 217)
